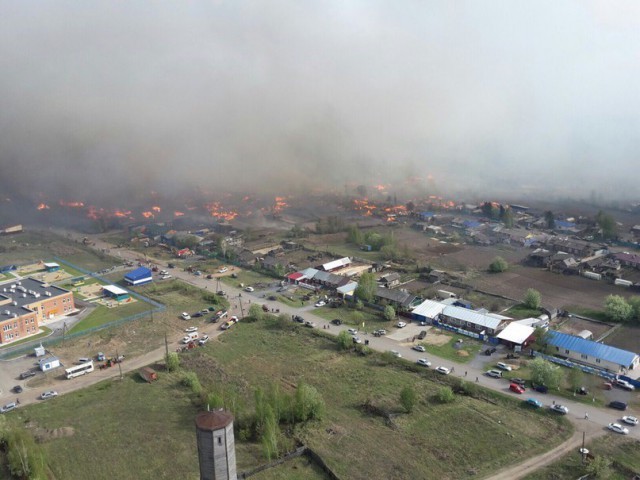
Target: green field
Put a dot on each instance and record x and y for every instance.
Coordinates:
(132, 430)
(622, 453)
(522, 311)
(452, 350)
(247, 278)
(103, 315)
(587, 312)
(350, 316)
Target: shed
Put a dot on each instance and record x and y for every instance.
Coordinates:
(516, 334)
(138, 276)
(115, 292)
(51, 267)
(148, 374)
(40, 351)
(49, 363)
(586, 334)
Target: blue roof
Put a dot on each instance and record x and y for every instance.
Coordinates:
(563, 224)
(138, 273)
(427, 214)
(471, 224)
(589, 347)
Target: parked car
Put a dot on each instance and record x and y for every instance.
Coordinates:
(8, 407)
(534, 402)
(518, 381)
(489, 351)
(191, 329)
(623, 384)
(249, 289)
(352, 331)
(401, 324)
(320, 303)
(503, 366)
(197, 315)
(17, 389)
(356, 339)
(424, 362)
(310, 324)
(203, 340)
(27, 374)
(422, 334)
(540, 388)
(561, 409)
(48, 394)
(223, 270)
(298, 319)
(514, 387)
(419, 348)
(336, 321)
(630, 420)
(443, 370)
(395, 353)
(617, 428)
(618, 405)
(381, 332)
(185, 316)
(494, 373)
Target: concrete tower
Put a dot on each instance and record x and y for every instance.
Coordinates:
(216, 446)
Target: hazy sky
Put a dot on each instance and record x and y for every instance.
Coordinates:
(108, 96)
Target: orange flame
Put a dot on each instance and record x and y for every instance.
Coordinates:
(178, 214)
(72, 204)
(43, 206)
(121, 214)
(148, 215)
(156, 209)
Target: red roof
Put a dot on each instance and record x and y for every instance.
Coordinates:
(295, 276)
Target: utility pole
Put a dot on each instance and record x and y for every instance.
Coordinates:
(241, 307)
(582, 451)
(166, 345)
(64, 331)
(118, 361)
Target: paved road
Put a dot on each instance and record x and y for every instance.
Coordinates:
(596, 423)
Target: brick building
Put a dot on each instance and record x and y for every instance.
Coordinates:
(24, 304)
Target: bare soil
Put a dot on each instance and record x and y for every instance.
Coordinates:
(574, 326)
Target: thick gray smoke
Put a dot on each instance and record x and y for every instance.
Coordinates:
(105, 99)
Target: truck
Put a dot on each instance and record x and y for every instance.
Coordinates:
(148, 374)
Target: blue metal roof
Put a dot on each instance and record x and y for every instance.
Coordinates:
(138, 273)
(594, 349)
(564, 224)
(471, 224)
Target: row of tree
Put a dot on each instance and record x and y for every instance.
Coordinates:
(619, 309)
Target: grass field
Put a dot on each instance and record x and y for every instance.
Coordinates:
(247, 277)
(588, 312)
(350, 316)
(452, 349)
(624, 454)
(522, 311)
(132, 430)
(102, 315)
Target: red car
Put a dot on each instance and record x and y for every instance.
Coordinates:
(514, 387)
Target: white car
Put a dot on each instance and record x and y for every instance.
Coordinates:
(191, 329)
(401, 324)
(503, 366)
(203, 340)
(623, 384)
(223, 270)
(8, 407)
(424, 362)
(321, 303)
(630, 420)
(443, 370)
(185, 316)
(352, 331)
(356, 339)
(561, 409)
(617, 428)
(164, 272)
(165, 277)
(249, 289)
(419, 348)
(494, 373)
(48, 394)
(396, 353)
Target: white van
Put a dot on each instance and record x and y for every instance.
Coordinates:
(190, 337)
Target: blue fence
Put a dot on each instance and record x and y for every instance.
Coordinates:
(461, 331)
(570, 364)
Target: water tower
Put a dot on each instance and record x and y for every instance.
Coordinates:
(216, 446)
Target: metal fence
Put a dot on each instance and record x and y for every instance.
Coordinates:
(570, 364)
(56, 337)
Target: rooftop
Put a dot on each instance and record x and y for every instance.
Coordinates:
(594, 349)
(16, 296)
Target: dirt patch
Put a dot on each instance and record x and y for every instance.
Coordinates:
(462, 353)
(574, 326)
(437, 339)
(46, 434)
(627, 338)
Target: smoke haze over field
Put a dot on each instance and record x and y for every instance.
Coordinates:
(100, 99)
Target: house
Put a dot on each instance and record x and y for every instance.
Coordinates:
(428, 311)
(390, 280)
(348, 289)
(335, 264)
(51, 267)
(273, 263)
(481, 323)
(539, 258)
(247, 258)
(49, 363)
(627, 259)
(593, 354)
(580, 248)
(400, 299)
(517, 335)
(139, 276)
(115, 292)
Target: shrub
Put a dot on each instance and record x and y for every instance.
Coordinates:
(498, 265)
(445, 395)
(172, 361)
(25, 458)
(190, 380)
(408, 398)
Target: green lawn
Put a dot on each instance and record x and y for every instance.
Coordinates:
(587, 312)
(449, 350)
(247, 277)
(351, 316)
(622, 452)
(522, 311)
(102, 315)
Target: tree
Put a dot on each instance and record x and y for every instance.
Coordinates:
(309, 404)
(24, 457)
(498, 265)
(366, 288)
(532, 299)
(550, 219)
(507, 217)
(607, 224)
(545, 373)
(635, 306)
(542, 336)
(255, 312)
(576, 378)
(344, 340)
(354, 235)
(389, 313)
(188, 241)
(408, 398)
(599, 468)
(446, 395)
(270, 433)
(410, 206)
(172, 361)
(617, 308)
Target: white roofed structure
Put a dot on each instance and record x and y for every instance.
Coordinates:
(516, 333)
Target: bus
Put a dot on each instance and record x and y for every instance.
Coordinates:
(78, 370)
